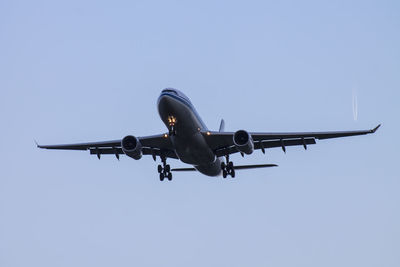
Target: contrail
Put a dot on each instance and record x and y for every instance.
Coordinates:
(355, 105)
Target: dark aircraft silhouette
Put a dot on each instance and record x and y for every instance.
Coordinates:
(189, 140)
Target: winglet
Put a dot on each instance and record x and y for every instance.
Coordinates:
(37, 145)
(376, 128)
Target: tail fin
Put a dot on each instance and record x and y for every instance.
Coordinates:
(222, 126)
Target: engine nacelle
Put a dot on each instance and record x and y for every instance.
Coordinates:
(243, 142)
(132, 147)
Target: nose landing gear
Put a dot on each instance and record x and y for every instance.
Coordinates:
(164, 170)
(171, 131)
(171, 125)
(227, 169)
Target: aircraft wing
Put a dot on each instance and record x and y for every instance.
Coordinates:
(156, 145)
(222, 142)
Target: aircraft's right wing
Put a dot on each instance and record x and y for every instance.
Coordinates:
(222, 142)
(155, 145)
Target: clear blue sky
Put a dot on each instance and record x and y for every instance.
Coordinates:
(73, 71)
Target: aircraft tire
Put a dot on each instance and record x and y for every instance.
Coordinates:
(223, 166)
(159, 169)
(167, 168)
(233, 173)
(162, 177)
(169, 176)
(224, 173)
(230, 165)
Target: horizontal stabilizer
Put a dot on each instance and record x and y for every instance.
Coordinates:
(243, 167)
(240, 167)
(183, 169)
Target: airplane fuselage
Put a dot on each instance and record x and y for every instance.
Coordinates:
(190, 145)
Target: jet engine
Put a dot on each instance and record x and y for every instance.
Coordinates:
(132, 147)
(243, 142)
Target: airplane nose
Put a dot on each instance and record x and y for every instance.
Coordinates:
(164, 101)
(165, 104)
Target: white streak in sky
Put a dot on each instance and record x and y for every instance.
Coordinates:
(355, 105)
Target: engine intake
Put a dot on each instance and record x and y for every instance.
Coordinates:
(132, 147)
(243, 142)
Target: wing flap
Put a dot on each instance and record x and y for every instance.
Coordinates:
(268, 144)
(146, 151)
(284, 142)
(106, 151)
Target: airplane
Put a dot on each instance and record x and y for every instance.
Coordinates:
(189, 140)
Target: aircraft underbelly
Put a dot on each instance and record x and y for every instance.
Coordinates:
(190, 145)
(193, 150)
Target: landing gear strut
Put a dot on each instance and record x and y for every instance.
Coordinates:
(164, 170)
(171, 125)
(172, 130)
(227, 169)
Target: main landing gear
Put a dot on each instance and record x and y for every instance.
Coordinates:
(164, 170)
(227, 169)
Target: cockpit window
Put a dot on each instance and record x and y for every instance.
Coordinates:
(176, 92)
(170, 91)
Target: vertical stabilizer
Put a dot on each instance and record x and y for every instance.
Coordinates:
(222, 126)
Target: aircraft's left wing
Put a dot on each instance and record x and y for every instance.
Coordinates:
(156, 145)
(222, 142)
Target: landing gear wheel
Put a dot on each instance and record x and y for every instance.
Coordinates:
(160, 169)
(230, 165)
(227, 168)
(223, 166)
(164, 170)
